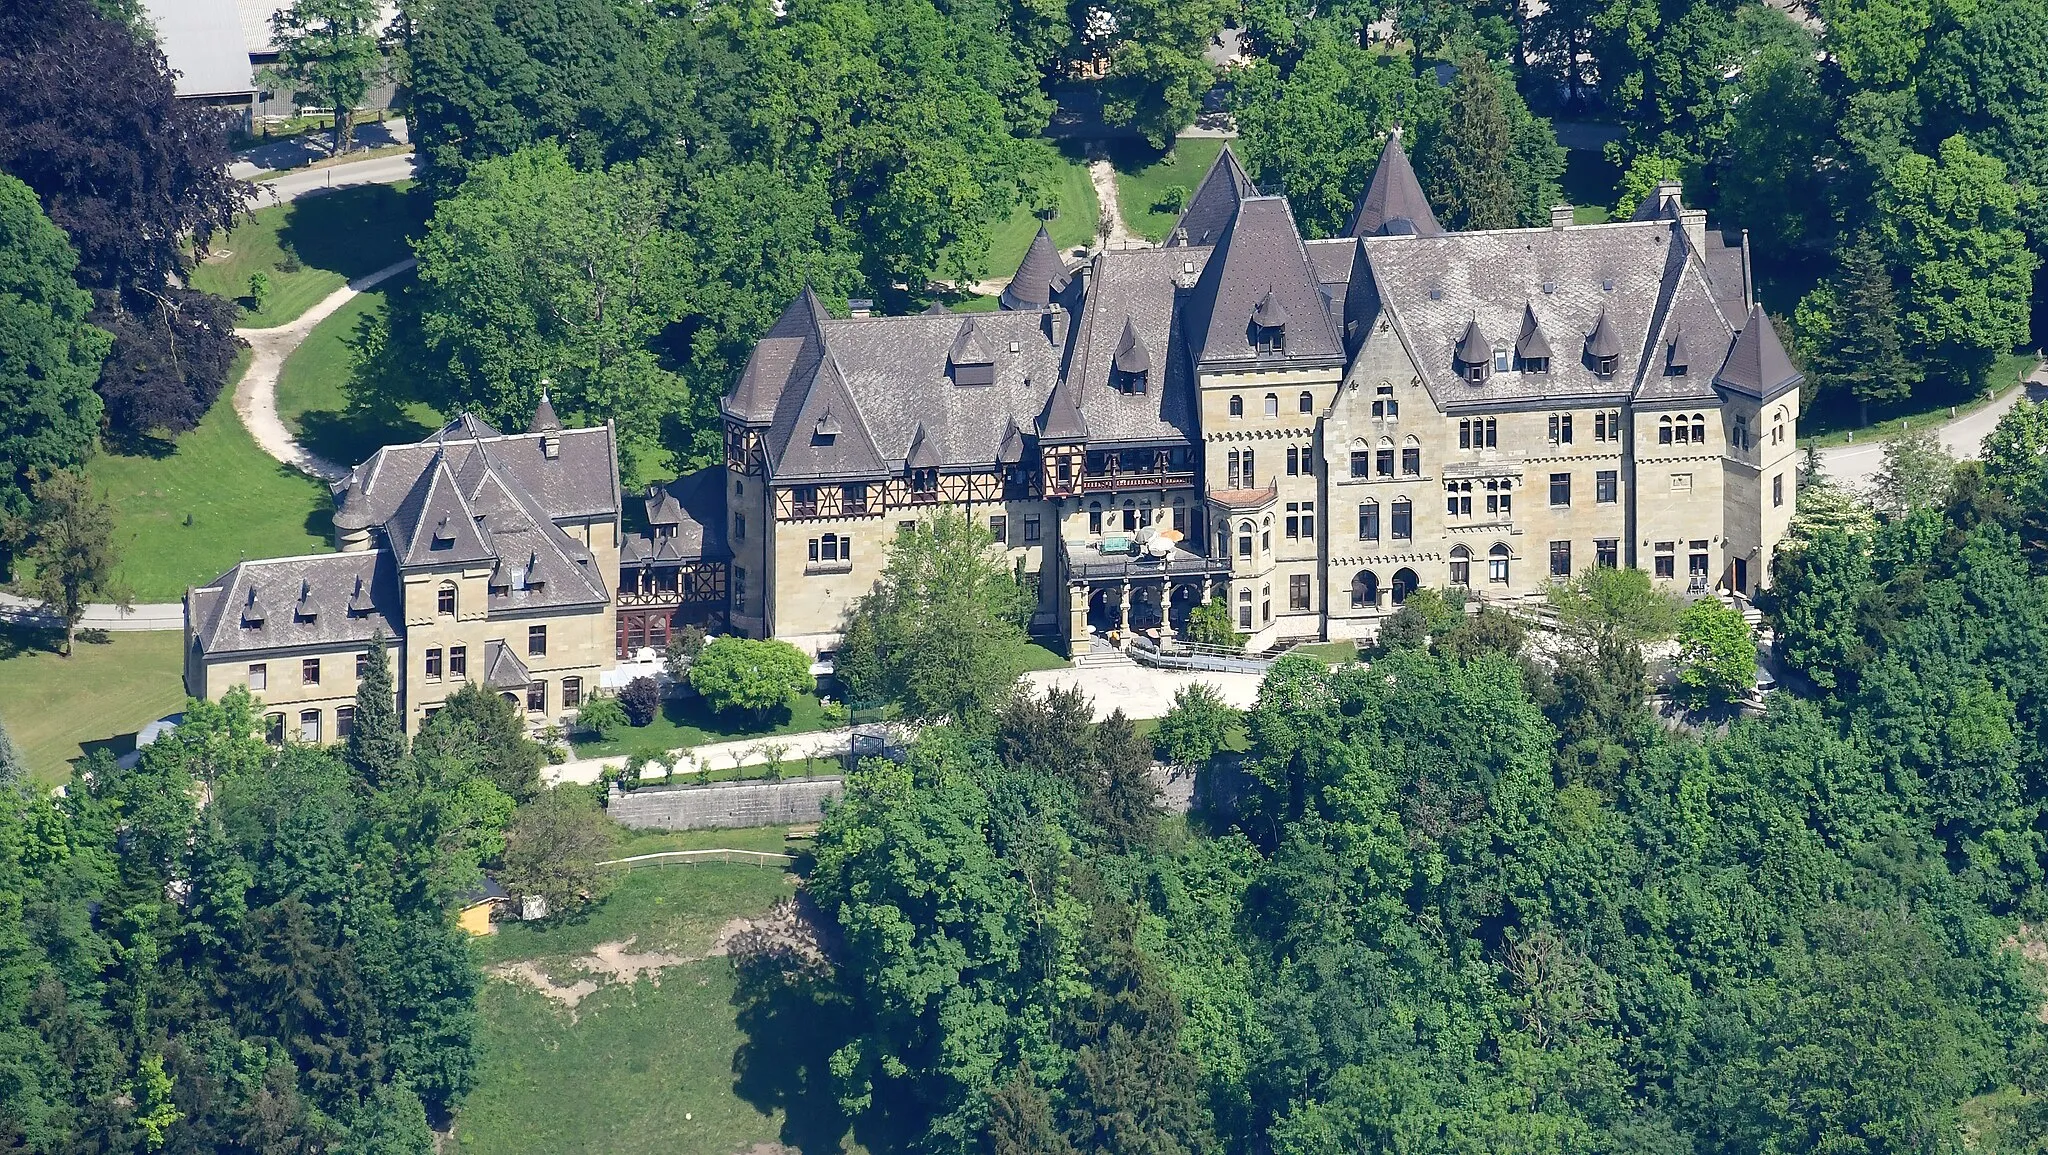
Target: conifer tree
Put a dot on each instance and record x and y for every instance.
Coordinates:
(1467, 166)
(1860, 349)
(376, 744)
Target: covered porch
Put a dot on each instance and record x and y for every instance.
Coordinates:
(1133, 592)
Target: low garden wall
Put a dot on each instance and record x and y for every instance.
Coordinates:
(724, 805)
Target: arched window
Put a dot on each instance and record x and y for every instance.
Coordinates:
(1699, 429)
(1497, 565)
(1236, 405)
(1411, 457)
(444, 599)
(1664, 428)
(1266, 535)
(1404, 584)
(1272, 405)
(1307, 401)
(1778, 427)
(1365, 590)
(1738, 434)
(1461, 566)
(1383, 459)
(1244, 539)
(1368, 520)
(1361, 458)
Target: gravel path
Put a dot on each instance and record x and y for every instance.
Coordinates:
(256, 393)
(1120, 234)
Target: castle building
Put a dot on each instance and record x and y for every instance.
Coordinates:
(477, 556)
(1306, 428)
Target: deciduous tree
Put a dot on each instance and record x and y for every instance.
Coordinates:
(755, 677)
(49, 354)
(1918, 473)
(553, 849)
(1716, 653)
(327, 51)
(68, 542)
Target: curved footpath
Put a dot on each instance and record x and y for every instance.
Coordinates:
(256, 392)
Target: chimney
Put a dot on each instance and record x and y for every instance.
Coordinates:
(1694, 221)
(1056, 326)
(860, 306)
(551, 444)
(1560, 216)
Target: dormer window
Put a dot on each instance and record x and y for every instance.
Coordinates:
(924, 485)
(1269, 324)
(1536, 365)
(827, 430)
(1473, 358)
(1500, 359)
(970, 362)
(1132, 365)
(1603, 348)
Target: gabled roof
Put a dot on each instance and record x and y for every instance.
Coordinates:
(1138, 291)
(435, 526)
(1209, 211)
(202, 42)
(1532, 344)
(1393, 204)
(1260, 258)
(786, 356)
(1131, 355)
(1757, 364)
(924, 450)
(968, 348)
(688, 517)
(1041, 276)
(1602, 342)
(812, 448)
(502, 668)
(1270, 313)
(1011, 451)
(1062, 423)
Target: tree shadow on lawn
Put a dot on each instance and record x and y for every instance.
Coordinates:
(793, 1020)
(352, 231)
(17, 640)
(351, 437)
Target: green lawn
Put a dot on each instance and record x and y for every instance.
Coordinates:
(706, 1061)
(1143, 176)
(1344, 650)
(1589, 180)
(685, 722)
(1073, 223)
(1824, 428)
(56, 708)
(1036, 657)
(312, 390)
(336, 236)
(211, 499)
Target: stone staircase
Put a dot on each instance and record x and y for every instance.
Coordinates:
(1102, 655)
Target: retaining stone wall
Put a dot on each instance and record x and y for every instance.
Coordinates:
(724, 805)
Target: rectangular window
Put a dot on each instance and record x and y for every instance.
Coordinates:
(309, 727)
(259, 676)
(1561, 559)
(433, 661)
(1411, 461)
(1385, 461)
(536, 697)
(1244, 609)
(1244, 540)
(1094, 521)
(1681, 483)
(999, 528)
(1458, 501)
(1553, 429)
(1667, 561)
(444, 601)
(273, 729)
(1560, 489)
(853, 498)
(1404, 520)
(903, 527)
(1293, 521)
(458, 661)
(1361, 463)
(1293, 462)
(803, 500)
(1607, 486)
(1492, 429)
(739, 589)
(1461, 570)
(1369, 521)
(1297, 592)
(1498, 501)
(1778, 490)
(362, 665)
(739, 527)
(309, 671)
(1599, 426)
(536, 641)
(1465, 434)
(1308, 520)
(1030, 528)
(1607, 551)
(344, 722)
(1696, 563)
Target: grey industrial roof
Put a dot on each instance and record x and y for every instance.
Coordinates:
(278, 603)
(202, 40)
(1634, 273)
(1393, 204)
(1214, 203)
(1260, 256)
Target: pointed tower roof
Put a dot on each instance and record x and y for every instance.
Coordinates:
(1041, 275)
(1757, 364)
(1473, 347)
(1602, 342)
(1011, 452)
(936, 309)
(1214, 202)
(1531, 344)
(1270, 313)
(1260, 256)
(1131, 355)
(1062, 422)
(544, 419)
(829, 435)
(787, 355)
(1393, 204)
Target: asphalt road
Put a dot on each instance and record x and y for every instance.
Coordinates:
(312, 182)
(1857, 464)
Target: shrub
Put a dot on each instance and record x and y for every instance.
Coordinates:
(1716, 653)
(683, 647)
(1172, 199)
(602, 716)
(640, 699)
(752, 677)
(1209, 625)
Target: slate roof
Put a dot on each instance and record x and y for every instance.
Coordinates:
(316, 601)
(787, 354)
(1637, 274)
(1260, 257)
(879, 380)
(581, 481)
(1393, 204)
(1757, 364)
(685, 521)
(1138, 291)
(1215, 200)
(502, 668)
(1040, 278)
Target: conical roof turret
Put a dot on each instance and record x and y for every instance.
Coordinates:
(1393, 204)
(1041, 276)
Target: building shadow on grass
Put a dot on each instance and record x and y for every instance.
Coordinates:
(352, 231)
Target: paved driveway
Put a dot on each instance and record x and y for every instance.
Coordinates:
(1857, 464)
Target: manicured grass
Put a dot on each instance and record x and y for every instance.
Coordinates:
(704, 1061)
(1589, 179)
(212, 499)
(1143, 176)
(1037, 657)
(1344, 650)
(1824, 428)
(57, 708)
(312, 390)
(1073, 223)
(336, 235)
(686, 722)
